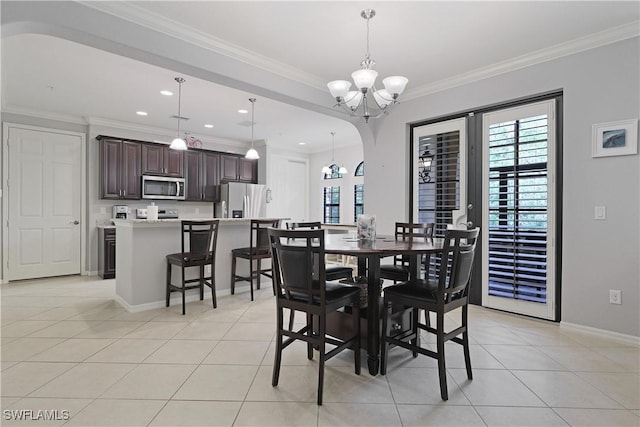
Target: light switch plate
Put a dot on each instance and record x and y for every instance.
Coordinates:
(600, 213)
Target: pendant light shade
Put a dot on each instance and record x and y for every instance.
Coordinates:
(179, 143)
(252, 154)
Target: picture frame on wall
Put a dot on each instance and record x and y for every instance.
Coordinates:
(615, 138)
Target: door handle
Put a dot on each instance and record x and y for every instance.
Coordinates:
(469, 224)
(74, 222)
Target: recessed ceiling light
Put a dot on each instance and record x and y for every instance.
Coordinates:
(208, 126)
(141, 113)
(243, 111)
(166, 92)
(301, 143)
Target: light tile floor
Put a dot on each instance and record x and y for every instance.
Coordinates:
(68, 347)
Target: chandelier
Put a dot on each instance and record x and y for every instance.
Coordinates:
(252, 153)
(179, 143)
(358, 102)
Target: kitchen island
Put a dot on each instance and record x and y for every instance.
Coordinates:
(142, 246)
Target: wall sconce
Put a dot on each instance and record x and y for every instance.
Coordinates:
(424, 162)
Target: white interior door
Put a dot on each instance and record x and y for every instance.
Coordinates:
(289, 185)
(518, 210)
(44, 203)
(441, 196)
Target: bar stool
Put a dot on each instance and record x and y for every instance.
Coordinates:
(257, 251)
(199, 239)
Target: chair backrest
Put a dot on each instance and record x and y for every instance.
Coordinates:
(259, 238)
(456, 264)
(306, 225)
(199, 238)
(296, 266)
(412, 231)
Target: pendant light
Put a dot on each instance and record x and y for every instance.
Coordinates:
(179, 143)
(252, 153)
(326, 170)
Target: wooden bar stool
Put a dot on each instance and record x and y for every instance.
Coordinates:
(199, 239)
(257, 251)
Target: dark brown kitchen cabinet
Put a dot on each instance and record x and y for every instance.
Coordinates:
(107, 253)
(161, 160)
(120, 174)
(237, 168)
(201, 173)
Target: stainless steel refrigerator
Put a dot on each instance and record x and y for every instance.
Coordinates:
(240, 200)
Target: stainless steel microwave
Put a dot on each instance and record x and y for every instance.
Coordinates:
(162, 187)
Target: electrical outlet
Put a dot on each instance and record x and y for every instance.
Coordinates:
(615, 296)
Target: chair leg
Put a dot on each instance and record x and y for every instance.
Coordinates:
(233, 275)
(201, 282)
(310, 333)
(465, 343)
(278, 355)
(322, 330)
(442, 369)
(251, 276)
(415, 318)
(168, 282)
(213, 286)
(356, 342)
(385, 333)
(292, 316)
(184, 292)
(258, 274)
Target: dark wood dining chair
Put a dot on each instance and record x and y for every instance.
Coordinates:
(449, 292)
(257, 251)
(333, 272)
(405, 231)
(301, 285)
(198, 249)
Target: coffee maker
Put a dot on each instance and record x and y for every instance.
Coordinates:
(120, 212)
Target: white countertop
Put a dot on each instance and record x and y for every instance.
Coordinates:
(172, 221)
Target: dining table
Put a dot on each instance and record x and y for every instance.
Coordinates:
(368, 254)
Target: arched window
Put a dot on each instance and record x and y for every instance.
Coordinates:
(358, 194)
(334, 172)
(360, 169)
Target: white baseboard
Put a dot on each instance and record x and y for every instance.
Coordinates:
(621, 338)
(175, 299)
(90, 273)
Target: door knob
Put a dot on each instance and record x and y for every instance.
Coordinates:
(75, 222)
(470, 224)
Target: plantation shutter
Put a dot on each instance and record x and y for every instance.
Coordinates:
(518, 209)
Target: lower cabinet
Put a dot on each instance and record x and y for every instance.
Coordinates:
(107, 252)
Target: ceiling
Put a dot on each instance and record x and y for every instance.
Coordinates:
(434, 44)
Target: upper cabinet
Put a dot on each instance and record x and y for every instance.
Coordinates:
(123, 162)
(120, 169)
(159, 159)
(237, 168)
(202, 175)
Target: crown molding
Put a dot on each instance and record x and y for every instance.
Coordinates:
(169, 133)
(47, 115)
(156, 22)
(571, 47)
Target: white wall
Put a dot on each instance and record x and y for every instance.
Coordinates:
(349, 157)
(600, 85)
